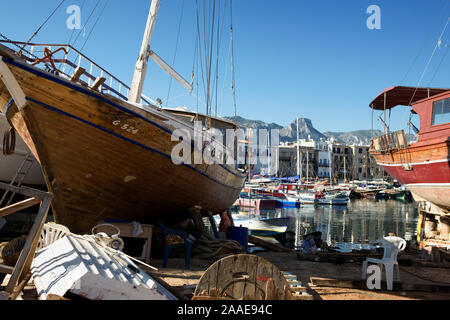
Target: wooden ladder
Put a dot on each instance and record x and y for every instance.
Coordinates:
(18, 178)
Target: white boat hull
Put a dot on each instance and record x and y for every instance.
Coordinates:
(9, 164)
(84, 267)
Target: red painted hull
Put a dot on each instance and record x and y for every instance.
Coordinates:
(436, 172)
(430, 182)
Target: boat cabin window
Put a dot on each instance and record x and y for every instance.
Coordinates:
(441, 112)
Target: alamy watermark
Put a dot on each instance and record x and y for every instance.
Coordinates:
(228, 146)
(74, 19)
(374, 20)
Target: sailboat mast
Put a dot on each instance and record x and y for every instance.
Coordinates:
(307, 165)
(345, 174)
(298, 156)
(140, 69)
(329, 158)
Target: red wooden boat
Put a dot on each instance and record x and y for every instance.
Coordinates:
(422, 167)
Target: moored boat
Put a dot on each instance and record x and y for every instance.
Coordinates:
(423, 166)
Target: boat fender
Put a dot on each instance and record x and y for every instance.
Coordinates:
(9, 142)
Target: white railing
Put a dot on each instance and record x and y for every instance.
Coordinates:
(63, 59)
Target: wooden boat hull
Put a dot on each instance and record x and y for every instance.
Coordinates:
(97, 167)
(426, 173)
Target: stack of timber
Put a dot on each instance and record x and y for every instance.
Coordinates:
(351, 257)
(362, 284)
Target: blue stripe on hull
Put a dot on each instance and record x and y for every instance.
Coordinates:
(123, 138)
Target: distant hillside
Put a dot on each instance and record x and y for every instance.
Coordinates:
(354, 137)
(358, 136)
(255, 124)
(306, 129)
(288, 133)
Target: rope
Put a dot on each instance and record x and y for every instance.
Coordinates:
(41, 26)
(207, 247)
(175, 53)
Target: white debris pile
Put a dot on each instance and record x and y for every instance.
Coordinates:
(86, 267)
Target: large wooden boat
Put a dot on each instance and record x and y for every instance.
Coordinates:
(423, 167)
(104, 155)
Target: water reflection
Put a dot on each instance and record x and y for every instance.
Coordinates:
(355, 226)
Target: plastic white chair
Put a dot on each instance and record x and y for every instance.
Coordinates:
(50, 233)
(392, 246)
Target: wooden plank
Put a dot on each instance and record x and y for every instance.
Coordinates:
(6, 269)
(26, 191)
(227, 277)
(18, 289)
(79, 71)
(264, 274)
(268, 245)
(252, 269)
(98, 82)
(241, 265)
(18, 206)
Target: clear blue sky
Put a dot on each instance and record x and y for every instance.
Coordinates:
(313, 59)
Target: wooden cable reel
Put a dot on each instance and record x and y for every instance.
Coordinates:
(243, 277)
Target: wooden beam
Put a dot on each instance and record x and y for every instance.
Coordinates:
(6, 269)
(18, 206)
(397, 286)
(18, 289)
(98, 82)
(79, 71)
(25, 191)
(12, 85)
(268, 245)
(23, 264)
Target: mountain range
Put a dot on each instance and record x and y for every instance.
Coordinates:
(306, 130)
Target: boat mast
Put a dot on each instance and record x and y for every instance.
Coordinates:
(276, 161)
(329, 158)
(298, 157)
(307, 165)
(141, 65)
(345, 174)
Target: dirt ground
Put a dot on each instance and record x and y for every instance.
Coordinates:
(185, 280)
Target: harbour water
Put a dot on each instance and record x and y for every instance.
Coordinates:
(355, 226)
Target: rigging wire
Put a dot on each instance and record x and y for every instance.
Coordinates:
(175, 53)
(429, 60)
(85, 24)
(425, 41)
(95, 24)
(73, 30)
(42, 25)
(439, 65)
(232, 59)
